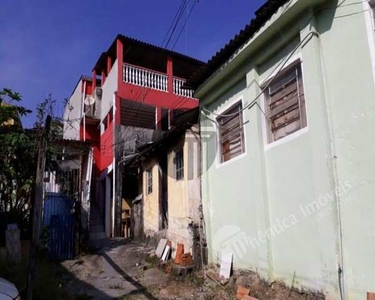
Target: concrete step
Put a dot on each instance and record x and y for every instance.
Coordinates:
(96, 228)
(97, 235)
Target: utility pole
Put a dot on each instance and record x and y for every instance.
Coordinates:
(37, 206)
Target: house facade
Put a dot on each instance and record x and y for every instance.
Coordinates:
(134, 93)
(169, 186)
(287, 114)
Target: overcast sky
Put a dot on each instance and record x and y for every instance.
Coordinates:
(46, 45)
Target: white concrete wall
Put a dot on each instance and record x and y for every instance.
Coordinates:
(109, 87)
(72, 114)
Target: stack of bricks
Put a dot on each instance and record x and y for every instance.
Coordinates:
(243, 293)
(186, 260)
(183, 259)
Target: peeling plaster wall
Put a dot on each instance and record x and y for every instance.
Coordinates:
(183, 195)
(151, 201)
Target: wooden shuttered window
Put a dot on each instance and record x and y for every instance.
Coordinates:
(179, 164)
(285, 104)
(137, 114)
(231, 136)
(149, 181)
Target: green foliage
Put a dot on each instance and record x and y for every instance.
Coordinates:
(8, 108)
(17, 160)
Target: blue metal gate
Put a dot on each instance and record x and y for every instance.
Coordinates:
(58, 217)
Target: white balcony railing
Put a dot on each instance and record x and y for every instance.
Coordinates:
(146, 78)
(178, 90)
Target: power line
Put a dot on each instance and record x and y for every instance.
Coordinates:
(174, 20)
(183, 26)
(181, 12)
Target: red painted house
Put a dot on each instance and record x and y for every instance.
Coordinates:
(134, 93)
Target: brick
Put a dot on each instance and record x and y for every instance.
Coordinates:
(247, 297)
(241, 292)
(370, 296)
(179, 253)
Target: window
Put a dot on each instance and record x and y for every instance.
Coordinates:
(231, 136)
(179, 164)
(285, 104)
(149, 181)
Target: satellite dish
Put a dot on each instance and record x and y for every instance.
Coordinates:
(90, 100)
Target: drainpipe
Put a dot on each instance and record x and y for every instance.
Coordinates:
(335, 176)
(114, 165)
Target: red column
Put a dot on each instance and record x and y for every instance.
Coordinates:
(103, 77)
(120, 59)
(93, 81)
(109, 64)
(170, 74)
(158, 120)
(118, 110)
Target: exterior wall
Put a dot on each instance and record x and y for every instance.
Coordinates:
(154, 97)
(73, 111)
(291, 201)
(151, 201)
(183, 195)
(109, 88)
(350, 91)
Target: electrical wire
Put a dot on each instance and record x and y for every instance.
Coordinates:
(177, 21)
(183, 26)
(174, 20)
(279, 67)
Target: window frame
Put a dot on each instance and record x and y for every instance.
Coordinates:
(227, 110)
(295, 63)
(149, 181)
(179, 170)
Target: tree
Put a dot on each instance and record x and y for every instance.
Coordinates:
(17, 159)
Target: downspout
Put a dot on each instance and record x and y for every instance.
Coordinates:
(114, 165)
(335, 181)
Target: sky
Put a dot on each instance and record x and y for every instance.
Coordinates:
(46, 45)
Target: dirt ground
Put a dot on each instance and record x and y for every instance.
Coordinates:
(123, 270)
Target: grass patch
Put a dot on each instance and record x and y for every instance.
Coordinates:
(152, 260)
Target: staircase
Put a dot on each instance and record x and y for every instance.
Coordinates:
(97, 231)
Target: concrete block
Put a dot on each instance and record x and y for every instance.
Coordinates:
(13, 243)
(182, 270)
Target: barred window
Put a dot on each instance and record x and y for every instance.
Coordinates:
(231, 135)
(179, 164)
(285, 104)
(149, 181)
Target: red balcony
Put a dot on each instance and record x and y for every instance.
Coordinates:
(154, 80)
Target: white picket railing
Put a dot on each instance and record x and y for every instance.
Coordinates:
(178, 90)
(146, 78)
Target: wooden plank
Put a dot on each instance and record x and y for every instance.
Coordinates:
(292, 87)
(284, 107)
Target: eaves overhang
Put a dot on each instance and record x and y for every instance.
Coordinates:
(207, 77)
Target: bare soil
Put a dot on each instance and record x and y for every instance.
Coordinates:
(120, 269)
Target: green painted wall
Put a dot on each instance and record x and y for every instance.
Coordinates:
(280, 208)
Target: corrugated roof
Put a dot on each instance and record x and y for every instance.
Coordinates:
(128, 41)
(262, 15)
